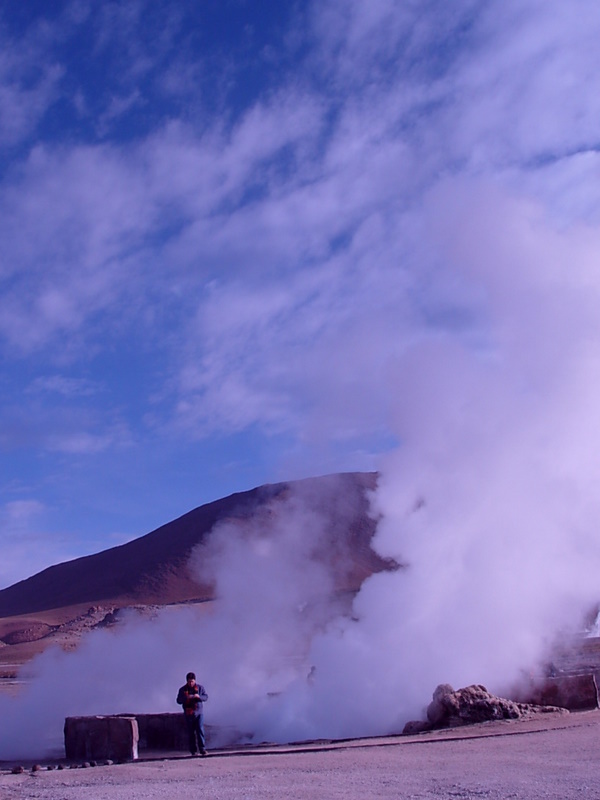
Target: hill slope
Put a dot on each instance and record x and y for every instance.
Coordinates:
(154, 568)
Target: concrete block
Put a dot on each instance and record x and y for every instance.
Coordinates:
(123, 736)
(162, 731)
(114, 737)
(575, 692)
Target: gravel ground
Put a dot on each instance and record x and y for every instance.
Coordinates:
(554, 758)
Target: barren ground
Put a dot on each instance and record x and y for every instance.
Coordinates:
(554, 757)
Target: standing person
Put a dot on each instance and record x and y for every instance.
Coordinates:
(192, 696)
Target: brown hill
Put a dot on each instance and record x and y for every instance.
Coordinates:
(154, 568)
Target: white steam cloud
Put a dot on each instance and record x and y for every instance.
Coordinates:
(275, 592)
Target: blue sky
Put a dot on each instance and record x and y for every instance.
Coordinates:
(225, 223)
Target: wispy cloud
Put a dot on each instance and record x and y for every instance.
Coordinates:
(26, 89)
(24, 539)
(480, 86)
(262, 244)
(63, 385)
(323, 181)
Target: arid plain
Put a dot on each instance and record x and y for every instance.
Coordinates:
(555, 758)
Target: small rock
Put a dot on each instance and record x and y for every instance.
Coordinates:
(36, 767)
(437, 710)
(17, 770)
(416, 726)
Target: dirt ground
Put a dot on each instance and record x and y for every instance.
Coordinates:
(554, 757)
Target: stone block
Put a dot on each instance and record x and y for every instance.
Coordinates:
(162, 731)
(122, 736)
(575, 692)
(113, 737)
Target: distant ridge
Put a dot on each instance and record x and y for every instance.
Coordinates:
(153, 569)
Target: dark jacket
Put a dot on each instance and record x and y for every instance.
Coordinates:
(192, 698)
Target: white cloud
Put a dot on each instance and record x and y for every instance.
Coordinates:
(27, 89)
(61, 423)
(526, 90)
(273, 349)
(85, 443)
(305, 214)
(63, 385)
(27, 548)
(284, 259)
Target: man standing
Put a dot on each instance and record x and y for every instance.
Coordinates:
(192, 696)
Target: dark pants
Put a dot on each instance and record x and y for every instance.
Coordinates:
(195, 729)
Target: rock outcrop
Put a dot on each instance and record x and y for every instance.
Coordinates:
(451, 708)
